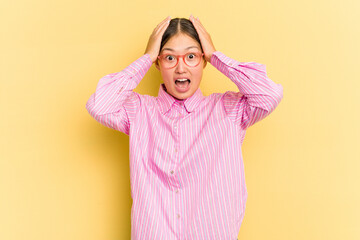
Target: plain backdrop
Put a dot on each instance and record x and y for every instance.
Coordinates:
(65, 176)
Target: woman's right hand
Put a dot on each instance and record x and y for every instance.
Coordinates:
(153, 46)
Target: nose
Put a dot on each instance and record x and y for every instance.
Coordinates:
(181, 67)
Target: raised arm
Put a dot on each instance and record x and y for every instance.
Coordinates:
(114, 101)
(114, 104)
(258, 96)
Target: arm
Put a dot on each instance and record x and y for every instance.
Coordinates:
(258, 96)
(114, 103)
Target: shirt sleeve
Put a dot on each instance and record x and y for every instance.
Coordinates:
(258, 96)
(114, 103)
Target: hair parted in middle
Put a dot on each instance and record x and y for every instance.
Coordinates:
(180, 25)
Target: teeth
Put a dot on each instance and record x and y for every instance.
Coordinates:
(182, 80)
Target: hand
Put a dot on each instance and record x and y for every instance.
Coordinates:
(205, 39)
(153, 46)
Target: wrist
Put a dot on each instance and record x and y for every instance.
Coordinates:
(152, 56)
(208, 57)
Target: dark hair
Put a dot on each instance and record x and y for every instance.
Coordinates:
(180, 25)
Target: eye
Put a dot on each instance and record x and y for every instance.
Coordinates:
(170, 58)
(192, 56)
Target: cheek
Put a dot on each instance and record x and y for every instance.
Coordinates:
(198, 74)
(167, 76)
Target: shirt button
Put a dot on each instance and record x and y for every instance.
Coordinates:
(176, 191)
(172, 172)
(175, 149)
(178, 215)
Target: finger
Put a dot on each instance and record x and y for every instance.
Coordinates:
(166, 20)
(163, 28)
(200, 24)
(197, 20)
(197, 24)
(192, 19)
(194, 22)
(199, 29)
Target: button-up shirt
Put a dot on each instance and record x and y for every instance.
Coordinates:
(186, 167)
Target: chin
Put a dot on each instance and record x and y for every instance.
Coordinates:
(180, 97)
(183, 96)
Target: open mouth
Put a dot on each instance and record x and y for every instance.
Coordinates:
(182, 83)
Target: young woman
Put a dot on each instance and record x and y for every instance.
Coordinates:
(186, 167)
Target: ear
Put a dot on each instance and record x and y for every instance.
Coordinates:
(205, 62)
(157, 64)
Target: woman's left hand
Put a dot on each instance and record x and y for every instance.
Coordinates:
(205, 39)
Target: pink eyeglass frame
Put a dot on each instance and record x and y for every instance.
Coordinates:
(178, 57)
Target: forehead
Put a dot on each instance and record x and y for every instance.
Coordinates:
(180, 43)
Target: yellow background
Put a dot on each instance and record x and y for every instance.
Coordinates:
(65, 176)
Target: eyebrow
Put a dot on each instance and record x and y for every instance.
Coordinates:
(170, 49)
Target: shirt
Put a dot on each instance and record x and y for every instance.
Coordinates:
(186, 167)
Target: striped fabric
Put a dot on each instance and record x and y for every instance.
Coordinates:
(186, 168)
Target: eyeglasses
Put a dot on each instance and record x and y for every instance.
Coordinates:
(171, 60)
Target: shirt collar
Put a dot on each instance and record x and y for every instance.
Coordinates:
(165, 100)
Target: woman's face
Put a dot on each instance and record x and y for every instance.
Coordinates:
(181, 44)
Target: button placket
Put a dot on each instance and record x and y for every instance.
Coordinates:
(178, 211)
(178, 216)
(176, 131)
(176, 208)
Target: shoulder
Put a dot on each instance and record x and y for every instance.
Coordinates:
(212, 100)
(227, 96)
(231, 96)
(229, 100)
(140, 100)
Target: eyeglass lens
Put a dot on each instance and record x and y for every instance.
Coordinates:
(191, 59)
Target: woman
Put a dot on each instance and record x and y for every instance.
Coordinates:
(186, 167)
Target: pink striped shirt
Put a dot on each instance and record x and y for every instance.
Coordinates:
(186, 168)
